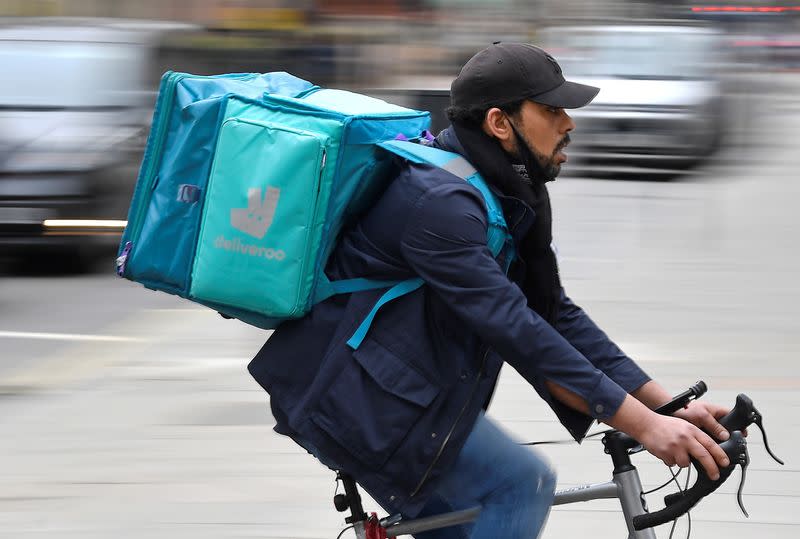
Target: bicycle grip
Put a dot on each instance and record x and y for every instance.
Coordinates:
(680, 503)
(681, 400)
(669, 513)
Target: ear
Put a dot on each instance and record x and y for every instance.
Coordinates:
(497, 125)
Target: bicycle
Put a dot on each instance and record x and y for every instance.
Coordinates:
(624, 485)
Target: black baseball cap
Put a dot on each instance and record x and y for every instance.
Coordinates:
(506, 72)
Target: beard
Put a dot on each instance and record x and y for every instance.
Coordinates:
(540, 166)
(551, 167)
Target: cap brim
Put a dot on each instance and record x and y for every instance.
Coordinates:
(569, 95)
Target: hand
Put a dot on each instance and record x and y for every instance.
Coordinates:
(705, 415)
(675, 441)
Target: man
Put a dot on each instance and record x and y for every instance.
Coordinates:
(403, 413)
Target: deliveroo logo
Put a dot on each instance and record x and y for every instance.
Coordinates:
(256, 218)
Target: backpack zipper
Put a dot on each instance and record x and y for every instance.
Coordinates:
(322, 160)
(157, 139)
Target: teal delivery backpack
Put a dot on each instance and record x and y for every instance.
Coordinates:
(245, 184)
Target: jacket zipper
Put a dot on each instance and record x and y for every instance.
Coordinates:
(453, 427)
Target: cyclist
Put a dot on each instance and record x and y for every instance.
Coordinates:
(403, 414)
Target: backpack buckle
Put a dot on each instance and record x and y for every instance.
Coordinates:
(188, 193)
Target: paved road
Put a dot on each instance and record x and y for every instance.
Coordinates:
(129, 414)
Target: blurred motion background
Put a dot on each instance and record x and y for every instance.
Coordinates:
(128, 413)
(80, 78)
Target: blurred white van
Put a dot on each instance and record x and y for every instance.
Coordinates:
(75, 99)
(660, 106)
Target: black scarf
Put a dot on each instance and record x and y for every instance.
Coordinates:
(542, 285)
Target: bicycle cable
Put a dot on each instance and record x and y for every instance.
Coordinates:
(688, 513)
(672, 528)
(689, 520)
(548, 442)
(350, 527)
(673, 479)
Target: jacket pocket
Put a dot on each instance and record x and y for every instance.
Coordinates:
(372, 404)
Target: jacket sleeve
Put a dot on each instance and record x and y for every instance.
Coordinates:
(444, 242)
(575, 325)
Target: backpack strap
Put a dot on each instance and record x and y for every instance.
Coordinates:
(326, 288)
(498, 236)
(400, 289)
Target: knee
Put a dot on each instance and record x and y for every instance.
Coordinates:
(541, 479)
(548, 481)
(527, 506)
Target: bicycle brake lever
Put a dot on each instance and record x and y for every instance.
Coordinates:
(736, 449)
(743, 414)
(741, 489)
(742, 458)
(759, 422)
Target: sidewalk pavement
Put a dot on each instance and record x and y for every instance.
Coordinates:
(169, 437)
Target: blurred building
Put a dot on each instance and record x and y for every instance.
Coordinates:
(82, 145)
(366, 42)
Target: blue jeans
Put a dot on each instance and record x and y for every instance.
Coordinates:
(513, 484)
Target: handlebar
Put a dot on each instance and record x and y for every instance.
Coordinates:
(681, 400)
(737, 420)
(678, 504)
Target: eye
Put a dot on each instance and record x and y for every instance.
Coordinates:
(554, 110)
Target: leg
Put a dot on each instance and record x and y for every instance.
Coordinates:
(512, 483)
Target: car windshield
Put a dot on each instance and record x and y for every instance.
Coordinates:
(633, 55)
(66, 74)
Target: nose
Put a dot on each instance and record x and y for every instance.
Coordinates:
(569, 124)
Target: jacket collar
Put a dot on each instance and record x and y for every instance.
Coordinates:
(518, 214)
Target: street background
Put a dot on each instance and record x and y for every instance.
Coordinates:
(128, 413)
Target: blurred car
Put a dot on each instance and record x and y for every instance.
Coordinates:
(661, 101)
(74, 109)
(660, 106)
(433, 96)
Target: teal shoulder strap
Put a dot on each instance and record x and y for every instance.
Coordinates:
(326, 288)
(498, 237)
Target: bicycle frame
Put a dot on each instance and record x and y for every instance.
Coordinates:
(625, 485)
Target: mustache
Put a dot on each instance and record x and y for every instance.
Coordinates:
(561, 145)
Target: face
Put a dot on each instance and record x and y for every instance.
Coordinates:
(545, 130)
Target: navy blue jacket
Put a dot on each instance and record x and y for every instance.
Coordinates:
(395, 412)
